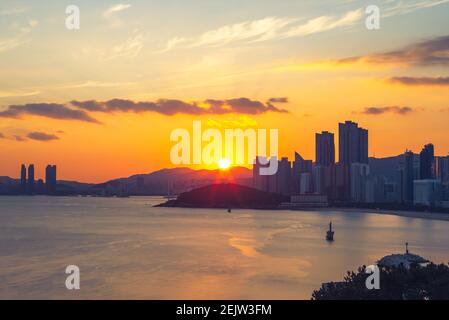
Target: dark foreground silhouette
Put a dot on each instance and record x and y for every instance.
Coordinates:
(227, 196)
(396, 283)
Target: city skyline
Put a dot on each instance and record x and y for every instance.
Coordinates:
(326, 149)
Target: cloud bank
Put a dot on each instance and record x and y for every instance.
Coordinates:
(171, 107)
(48, 110)
(42, 136)
(82, 110)
(421, 81)
(425, 53)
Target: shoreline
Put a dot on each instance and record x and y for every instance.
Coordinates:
(407, 214)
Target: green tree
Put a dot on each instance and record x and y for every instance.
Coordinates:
(396, 283)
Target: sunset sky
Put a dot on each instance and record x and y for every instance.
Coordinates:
(100, 102)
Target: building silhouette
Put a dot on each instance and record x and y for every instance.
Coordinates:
(324, 149)
(409, 179)
(359, 173)
(427, 162)
(300, 166)
(260, 181)
(353, 143)
(30, 184)
(50, 179)
(443, 169)
(427, 192)
(284, 176)
(23, 179)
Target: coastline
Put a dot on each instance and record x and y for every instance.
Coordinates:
(407, 214)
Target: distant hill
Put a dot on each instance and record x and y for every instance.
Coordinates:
(176, 181)
(227, 196)
(8, 185)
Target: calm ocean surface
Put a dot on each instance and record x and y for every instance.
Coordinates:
(126, 249)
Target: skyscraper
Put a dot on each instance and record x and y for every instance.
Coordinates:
(359, 177)
(284, 176)
(50, 179)
(443, 169)
(325, 149)
(30, 185)
(260, 182)
(407, 176)
(300, 166)
(353, 143)
(23, 179)
(427, 162)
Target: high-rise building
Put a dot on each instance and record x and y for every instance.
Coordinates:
(23, 179)
(50, 179)
(443, 169)
(342, 182)
(306, 183)
(407, 174)
(427, 193)
(427, 162)
(324, 149)
(353, 143)
(319, 179)
(359, 173)
(260, 182)
(284, 176)
(30, 185)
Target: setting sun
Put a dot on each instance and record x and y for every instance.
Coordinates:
(224, 164)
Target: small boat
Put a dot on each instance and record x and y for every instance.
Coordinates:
(330, 233)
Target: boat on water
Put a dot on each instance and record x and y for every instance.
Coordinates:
(330, 233)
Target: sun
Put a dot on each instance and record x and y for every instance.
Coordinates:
(224, 164)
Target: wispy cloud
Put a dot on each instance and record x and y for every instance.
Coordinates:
(36, 135)
(129, 49)
(20, 38)
(421, 81)
(95, 84)
(270, 28)
(111, 14)
(390, 109)
(8, 94)
(324, 23)
(111, 11)
(405, 7)
(278, 100)
(19, 138)
(257, 30)
(13, 11)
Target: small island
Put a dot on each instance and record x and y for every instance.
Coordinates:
(227, 196)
